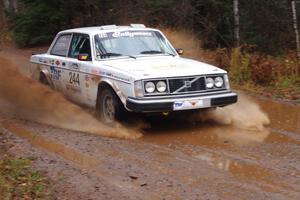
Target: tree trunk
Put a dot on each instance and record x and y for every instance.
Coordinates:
(236, 22)
(2, 15)
(295, 25)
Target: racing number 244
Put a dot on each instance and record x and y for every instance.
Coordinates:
(74, 78)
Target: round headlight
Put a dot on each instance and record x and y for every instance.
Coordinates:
(161, 86)
(210, 83)
(219, 82)
(150, 87)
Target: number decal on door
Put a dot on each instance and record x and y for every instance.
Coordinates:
(74, 78)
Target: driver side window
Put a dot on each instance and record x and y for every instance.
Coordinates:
(80, 45)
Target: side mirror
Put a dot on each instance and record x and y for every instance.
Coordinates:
(83, 57)
(180, 51)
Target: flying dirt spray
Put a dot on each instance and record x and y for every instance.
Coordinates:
(28, 99)
(245, 114)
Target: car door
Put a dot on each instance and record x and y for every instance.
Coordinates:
(77, 70)
(58, 60)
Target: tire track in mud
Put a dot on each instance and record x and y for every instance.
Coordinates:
(83, 161)
(191, 171)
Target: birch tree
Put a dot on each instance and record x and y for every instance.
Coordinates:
(236, 22)
(295, 25)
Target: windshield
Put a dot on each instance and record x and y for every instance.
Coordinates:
(131, 43)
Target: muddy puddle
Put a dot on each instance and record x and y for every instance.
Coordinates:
(284, 127)
(189, 155)
(266, 155)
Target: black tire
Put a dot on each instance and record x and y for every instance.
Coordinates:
(43, 79)
(109, 107)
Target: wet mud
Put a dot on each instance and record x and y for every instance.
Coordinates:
(184, 160)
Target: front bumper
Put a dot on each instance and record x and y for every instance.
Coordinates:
(181, 103)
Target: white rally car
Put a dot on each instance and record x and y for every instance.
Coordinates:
(134, 68)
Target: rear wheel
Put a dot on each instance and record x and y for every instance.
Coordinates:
(43, 79)
(109, 107)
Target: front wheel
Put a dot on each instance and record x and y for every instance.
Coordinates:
(109, 106)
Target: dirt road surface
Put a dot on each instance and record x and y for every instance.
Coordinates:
(175, 159)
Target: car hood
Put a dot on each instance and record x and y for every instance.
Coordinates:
(163, 66)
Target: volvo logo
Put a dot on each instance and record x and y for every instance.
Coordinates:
(187, 84)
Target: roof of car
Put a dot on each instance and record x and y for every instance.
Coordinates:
(99, 29)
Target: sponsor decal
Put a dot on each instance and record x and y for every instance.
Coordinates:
(95, 71)
(96, 79)
(57, 62)
(184, 105)
(108, 74)
(178, 104)
(55, 73)
(73, 88)
(131, 34)
(103, 35)
(43, 61)
(87, 78)
(74, 66)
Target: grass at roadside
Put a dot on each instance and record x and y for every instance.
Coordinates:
(19, 181)
(269, 76)
(289, 94)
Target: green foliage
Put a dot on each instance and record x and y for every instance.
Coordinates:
(36, 23)
(239, 66)
(18, 181)
(265, 24)
(213, 21)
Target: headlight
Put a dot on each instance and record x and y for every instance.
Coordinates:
(161, 86)
(150, 87)
(219, 82)
(210, 83)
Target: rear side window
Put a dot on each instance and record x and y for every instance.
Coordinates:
(80, 45)
(61, 46)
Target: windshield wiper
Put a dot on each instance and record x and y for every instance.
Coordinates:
(155, 52)
(110, 54)
(105, 55)
(151, 52)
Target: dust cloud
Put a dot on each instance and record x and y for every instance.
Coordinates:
(25, 98)
(245, 114)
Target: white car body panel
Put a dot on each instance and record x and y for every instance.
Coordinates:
(79, 80)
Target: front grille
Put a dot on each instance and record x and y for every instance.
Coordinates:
(190, 84)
